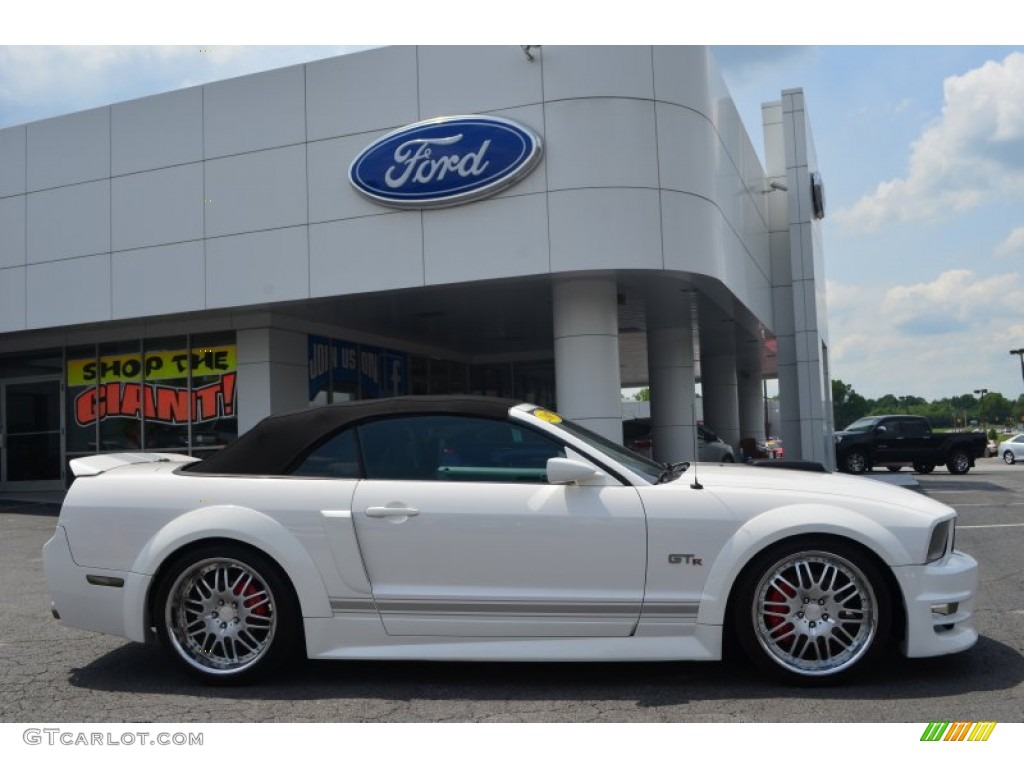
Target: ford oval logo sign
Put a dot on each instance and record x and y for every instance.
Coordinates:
(445, 161)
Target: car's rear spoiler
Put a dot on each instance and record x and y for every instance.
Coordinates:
(103, 462)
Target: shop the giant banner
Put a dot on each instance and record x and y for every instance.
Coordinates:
(133, 384)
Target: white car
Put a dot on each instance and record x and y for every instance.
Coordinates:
(1012, 450)
(465, 528)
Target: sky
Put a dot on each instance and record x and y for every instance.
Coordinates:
(921, 147)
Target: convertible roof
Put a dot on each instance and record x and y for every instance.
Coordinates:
(271, 447)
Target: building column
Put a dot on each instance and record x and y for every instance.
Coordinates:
(670, 368)
(718, 378)
(273, 374)
(751, 404)
(586, 331)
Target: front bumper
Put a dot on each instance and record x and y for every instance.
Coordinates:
(99, 607)
(940, 605)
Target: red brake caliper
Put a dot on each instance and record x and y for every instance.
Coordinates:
(249, 593)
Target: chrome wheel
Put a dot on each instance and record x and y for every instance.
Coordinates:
(815, 613)
(959, 463)
(1009, 458)
(221, 616)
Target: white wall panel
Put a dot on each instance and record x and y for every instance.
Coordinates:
(601, 143)
(489, 239)
(689, 152)
(572, 72)
(12, 231)
(357, 94)
(331, 196)
(12, 161)
(69, 149)
(69, 221)
(255, 112)
(372, 253)
(157, 131)
(254, 191)
(12, 299)
(257, 268)
(157, 207)
(605, 229)
(69, 292)
(158, 281)
(467, 79)
(685, 75)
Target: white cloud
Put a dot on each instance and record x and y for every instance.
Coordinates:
(936, 338)
(1013, 245)
(973, 151)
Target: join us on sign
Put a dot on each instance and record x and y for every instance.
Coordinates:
(445, 161)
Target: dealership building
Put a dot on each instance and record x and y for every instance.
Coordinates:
(550, 224)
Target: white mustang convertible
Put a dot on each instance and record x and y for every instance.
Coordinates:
(480, 529)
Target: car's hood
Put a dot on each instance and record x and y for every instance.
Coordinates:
(804, 484)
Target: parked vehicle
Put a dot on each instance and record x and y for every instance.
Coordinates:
(1012, 450)
(903, 440)
(476, 529)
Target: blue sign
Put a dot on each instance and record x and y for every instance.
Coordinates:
(445, 161)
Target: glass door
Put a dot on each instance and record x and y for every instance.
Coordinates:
(30, 434)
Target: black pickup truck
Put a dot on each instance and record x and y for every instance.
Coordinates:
(896, 441)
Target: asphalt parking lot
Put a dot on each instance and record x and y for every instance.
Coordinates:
(51, 673)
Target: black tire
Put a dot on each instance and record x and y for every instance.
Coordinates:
(924, 469)
(958, 463)
(728, 459)
(894, 469)
(1009, 457)
(856, 462)
(812, 610)
(226, 614)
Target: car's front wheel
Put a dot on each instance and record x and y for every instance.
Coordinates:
(1009, 458)
(959, 463)
(226, 613)
(812, 610)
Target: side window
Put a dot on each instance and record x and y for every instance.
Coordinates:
(892, 427)
(914, 428)
(455, 448)
(337, 457)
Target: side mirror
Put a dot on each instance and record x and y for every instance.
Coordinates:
(880, 429)
(566, 471)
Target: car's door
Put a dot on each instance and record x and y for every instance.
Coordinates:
(463, 536)
(917, 444)
(888, 441)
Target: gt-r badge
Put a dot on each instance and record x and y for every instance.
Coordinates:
(688, 559)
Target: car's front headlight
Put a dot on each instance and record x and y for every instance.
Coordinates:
(942, 540)
(837, 438)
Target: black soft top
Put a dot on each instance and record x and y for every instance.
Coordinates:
(273, 445)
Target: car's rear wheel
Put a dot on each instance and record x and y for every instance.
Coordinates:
(226, 613)
(959, 463)
(812, 611)
(924, 469)
(856, 462)
(1009, 458)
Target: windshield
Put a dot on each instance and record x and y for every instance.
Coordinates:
(641, 465)
(862, 425)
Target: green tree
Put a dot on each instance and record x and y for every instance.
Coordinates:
(847, 405)
(643, 395)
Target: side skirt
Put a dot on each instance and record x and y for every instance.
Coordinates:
(364, 639)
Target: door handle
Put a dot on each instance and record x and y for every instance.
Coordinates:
(391, 512)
